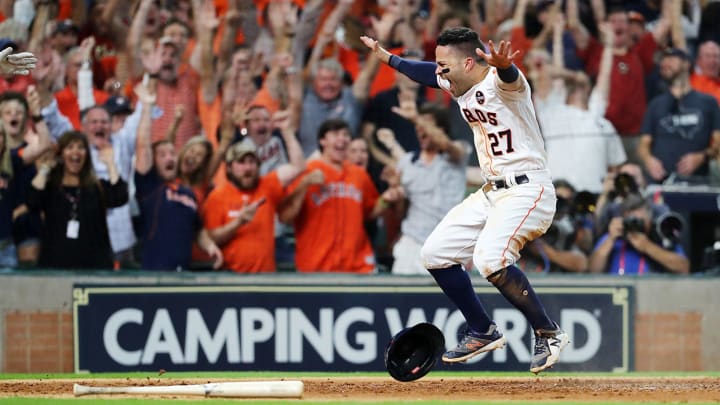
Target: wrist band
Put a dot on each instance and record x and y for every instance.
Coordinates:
(37, 118)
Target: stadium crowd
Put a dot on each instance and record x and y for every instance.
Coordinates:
(257, 136)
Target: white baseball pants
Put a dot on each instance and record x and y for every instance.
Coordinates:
(489, 228)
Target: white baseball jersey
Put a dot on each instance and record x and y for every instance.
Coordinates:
(489, 228)
(506, 132)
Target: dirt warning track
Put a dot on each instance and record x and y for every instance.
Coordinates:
(544, 388)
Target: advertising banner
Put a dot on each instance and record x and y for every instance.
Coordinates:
(325, 328)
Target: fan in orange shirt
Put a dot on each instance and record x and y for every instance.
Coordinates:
(329, 206)
(706, 77)
(240, 214)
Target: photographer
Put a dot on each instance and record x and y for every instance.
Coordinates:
(628, 180)
(631, 246)
(562, 247)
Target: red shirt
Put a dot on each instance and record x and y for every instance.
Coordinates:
(706, 84)
(68, 103)
(17, 83)
(627, 102)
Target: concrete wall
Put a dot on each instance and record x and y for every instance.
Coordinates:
(676, 318)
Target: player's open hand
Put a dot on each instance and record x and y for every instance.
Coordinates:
(16, 64)
(369, 42)
(501, 58)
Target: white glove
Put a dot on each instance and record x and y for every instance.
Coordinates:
(16, 64)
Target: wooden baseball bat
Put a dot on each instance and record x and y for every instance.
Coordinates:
(239, 389)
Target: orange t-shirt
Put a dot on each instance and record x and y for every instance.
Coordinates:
(68, 104)
(329, 229)
(252, 248)
(705, 84)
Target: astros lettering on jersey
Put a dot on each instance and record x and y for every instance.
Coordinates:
(506, 133)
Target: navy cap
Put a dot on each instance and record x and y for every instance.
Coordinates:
(65, 26)
(118, 105)
(5, 42)
(676, 52)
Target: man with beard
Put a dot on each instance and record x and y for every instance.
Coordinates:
(240, 214)
(681, 129)
(176, 85)
(168, 209)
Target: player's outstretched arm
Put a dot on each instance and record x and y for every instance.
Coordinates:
(422, 72)
(16, 63)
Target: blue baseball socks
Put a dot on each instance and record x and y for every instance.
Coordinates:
(516, 288)
(456, 284)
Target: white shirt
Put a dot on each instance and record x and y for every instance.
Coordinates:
(506, 133)
(581, 144)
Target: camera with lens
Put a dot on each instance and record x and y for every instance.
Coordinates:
(561, 232)
(624, 185)
(633, 224)
(668, 228)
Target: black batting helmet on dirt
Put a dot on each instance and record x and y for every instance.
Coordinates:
(413, 351)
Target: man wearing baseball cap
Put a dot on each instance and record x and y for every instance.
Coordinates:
(65, 36)
(119, 108)
(240, 214)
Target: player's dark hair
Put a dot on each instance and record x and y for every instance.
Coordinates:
(463, 39)
(332, 124)
(439, 114)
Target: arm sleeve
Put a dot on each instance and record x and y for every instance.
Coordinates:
(85, 96)
(422, 72)
(115, 194)
(56, 122)
(36, 199)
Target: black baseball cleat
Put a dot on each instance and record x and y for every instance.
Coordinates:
(548, 345)
(473, 343)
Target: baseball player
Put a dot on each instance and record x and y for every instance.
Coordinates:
(514, 206)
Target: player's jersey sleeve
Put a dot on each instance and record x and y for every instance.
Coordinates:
(512, 90)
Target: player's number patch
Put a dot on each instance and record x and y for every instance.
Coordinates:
(501, 137)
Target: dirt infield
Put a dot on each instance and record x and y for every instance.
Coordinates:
(546, 388)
